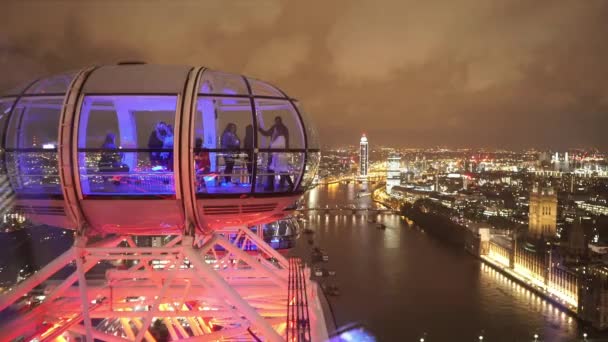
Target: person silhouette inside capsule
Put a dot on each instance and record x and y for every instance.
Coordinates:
(156, 142)
(167, 156)
(202, 164)
(111, 159)
(230, 141)
(278, 161)
(278, 128)
(248, 146)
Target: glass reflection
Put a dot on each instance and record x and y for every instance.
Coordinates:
(223, 145)
(312, 166)
(216, 82)
(6, 104)
(281, 234)
(278, 171)
(57, 84)
(222, 172)
(125, 145)
(312, 137)
(33, 172)
(278, 118)
(31, 158)
(260, 88)
(105, 173)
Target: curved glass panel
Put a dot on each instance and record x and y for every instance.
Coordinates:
(139, 79)
(278, 172)
(278, 118)
(216, 82)
(230, 173)
(312, 166)
(223, 145)
(260, 88)
(6, 207)
(215, 114)
(125, 145)
(281, 234)
(58, 84)
(32, 145)
(6, 104)
(311, 131)
(18, 90)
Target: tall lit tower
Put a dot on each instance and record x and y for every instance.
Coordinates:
(393, 173)
(363, 157)
(543, 212)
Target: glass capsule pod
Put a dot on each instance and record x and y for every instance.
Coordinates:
(153, 150)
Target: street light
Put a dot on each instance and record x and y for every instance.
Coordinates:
(535, 337)
(585, 336)
(481, 337)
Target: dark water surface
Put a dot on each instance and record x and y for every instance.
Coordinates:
(402, 283)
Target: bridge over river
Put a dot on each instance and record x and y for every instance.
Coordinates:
(344, 209)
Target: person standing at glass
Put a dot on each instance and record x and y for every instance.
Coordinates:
(156, 141)
(230, 141)
(278, 161)
(202, 164)
(110, 159)
(167, 157)
(278, 128)
(248, 146)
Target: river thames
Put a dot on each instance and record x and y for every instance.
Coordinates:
(403, 284)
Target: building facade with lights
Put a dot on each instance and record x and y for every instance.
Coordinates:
(393, 172)
(543, 212)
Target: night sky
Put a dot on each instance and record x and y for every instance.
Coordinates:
(474, 73)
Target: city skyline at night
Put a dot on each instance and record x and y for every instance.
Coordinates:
(390, 170)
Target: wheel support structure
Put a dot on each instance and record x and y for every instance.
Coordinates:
(200, 288)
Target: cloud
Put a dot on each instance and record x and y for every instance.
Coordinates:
(51, 35)
(416, 73)
(372, 42)
(278, 58)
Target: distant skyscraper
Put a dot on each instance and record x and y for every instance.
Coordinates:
(393, 172)
(561, 164)
(363, 157)
(543, 212)
(437, 181)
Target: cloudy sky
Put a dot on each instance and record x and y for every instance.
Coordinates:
(476, 73)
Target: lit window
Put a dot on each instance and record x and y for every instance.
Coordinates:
(125, 145)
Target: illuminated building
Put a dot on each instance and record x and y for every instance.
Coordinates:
(393, 172)
(542, 213)
(593, 296)
(363, 157)
(532, 262)
(561, 163)
(594, 207)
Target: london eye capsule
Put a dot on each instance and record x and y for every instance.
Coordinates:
(153, 150)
